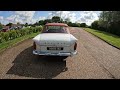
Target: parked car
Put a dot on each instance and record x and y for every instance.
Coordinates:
(55, 40)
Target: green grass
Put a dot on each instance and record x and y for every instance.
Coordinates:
(13, 42)
(109, 38)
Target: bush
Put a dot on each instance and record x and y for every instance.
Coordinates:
(114, 28)
(95, 25)
(83, 25)
(1, 37)
(30, 31)
(18, 33)
(34, 30)
(88, 26)
(12, 34)
(6, 36)
(22, 32)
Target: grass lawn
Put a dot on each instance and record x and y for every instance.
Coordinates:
(109, 38)
(10, 43)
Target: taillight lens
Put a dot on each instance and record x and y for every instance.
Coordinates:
(34, 45)
(75, 46)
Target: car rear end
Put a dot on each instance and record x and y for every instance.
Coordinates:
(55, 47)
(55, 40)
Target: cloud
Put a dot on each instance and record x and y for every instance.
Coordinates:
(41, 18)
(83, 16)
(1, 17)
(21, 17)
(25, 16)
(14, 19)
(28, 16)
(63, 15)
(88, 16)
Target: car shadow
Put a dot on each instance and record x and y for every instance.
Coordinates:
(29, 65)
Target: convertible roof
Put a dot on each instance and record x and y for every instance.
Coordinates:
(56, 24)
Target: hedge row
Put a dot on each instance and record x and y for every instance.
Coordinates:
(12, 34)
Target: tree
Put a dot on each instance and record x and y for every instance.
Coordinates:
(67, 20)
(95, 25)
(56, 19)
(36, 24)
(47, 21)
(18, 23)
(9, 24)
(109, 21)
(69, 23)
(26, 24)
(41, 22)
(83, 25)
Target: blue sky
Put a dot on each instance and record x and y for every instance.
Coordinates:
(33, 16)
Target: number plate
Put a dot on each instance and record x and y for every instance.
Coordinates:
(54, 48)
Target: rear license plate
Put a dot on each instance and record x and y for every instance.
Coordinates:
(54, 48)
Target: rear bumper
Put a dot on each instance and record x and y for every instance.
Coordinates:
(54, 54)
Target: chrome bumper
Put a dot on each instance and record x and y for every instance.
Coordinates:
(54, 54)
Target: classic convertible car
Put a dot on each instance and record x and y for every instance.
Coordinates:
(55, 40)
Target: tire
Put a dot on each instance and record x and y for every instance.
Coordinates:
(64, 57)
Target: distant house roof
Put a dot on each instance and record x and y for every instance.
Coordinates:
(56, 24)
(6, 27)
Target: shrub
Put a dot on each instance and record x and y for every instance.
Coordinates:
(95, 25)
(6, 36)
(34, 30)
(22, 32)
(12, 34)
(1, 37)
(18, 33)
(30, 31)
(39, 28)
(83, 25)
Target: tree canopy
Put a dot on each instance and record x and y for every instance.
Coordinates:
(1, 26)
(109, 21)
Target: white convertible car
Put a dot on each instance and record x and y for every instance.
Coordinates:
(55, 40)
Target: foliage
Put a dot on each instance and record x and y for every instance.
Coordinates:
(26, 24)
(9, 24)
(95, 25)
(1, 26)
(56, 19)
(12, 34)
(109, 21)
(10, 43)
(6, 36)
(83, 25)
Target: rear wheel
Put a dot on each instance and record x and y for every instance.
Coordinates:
(63, 58)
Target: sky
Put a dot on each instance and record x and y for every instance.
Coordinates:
(34, 16)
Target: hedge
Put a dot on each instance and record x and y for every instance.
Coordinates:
(12, 34)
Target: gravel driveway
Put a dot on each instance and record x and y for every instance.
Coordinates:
(95, 60)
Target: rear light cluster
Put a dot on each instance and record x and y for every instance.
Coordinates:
(34, 45)
(75, 46)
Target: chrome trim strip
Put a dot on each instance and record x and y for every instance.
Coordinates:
(54, 54)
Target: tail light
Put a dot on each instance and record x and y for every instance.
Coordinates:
(34, 45)
(75, 46)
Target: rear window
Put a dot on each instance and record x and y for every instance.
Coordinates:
(55, 29)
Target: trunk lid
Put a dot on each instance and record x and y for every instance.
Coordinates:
(53, 39)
